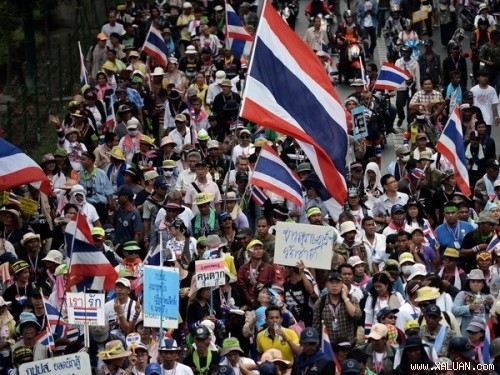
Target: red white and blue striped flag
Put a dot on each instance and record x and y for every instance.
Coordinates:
(273, 174)
(288, 90)
(258, 195)
(326, 345)
(110, 117)
(17, 168)
(390, 77)
(238, 39)
(451, 146)
(155, 46)
(89, 267)
(84, 74)
(46, 338)
(58, 326)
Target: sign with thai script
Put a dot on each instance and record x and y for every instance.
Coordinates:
(210, 273)
(313, 244)
(161, 297)
(86, 308)
(71, 364)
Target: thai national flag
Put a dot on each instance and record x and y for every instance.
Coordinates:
(155, 46)
(390, 77)
(45, 338)
(17, 168)
(258, 195)
(451, 145)
(273, 174)
(58, 326)
(85, 313)
(288, 90)
(238, 39)
(84, 74)
(13, 199)
(89, 267)
(326, 346)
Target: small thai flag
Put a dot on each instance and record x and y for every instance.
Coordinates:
(238, 39)
(390, 77)
(82, 314)
(326, 346)
(155, 46)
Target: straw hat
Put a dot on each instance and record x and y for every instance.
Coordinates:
(113, 349)
(15, 213)
(167, 140)
(406, 257)
(108, 65)
(451, 253)
(273, 355)
(30, 236)
(202, 198)
(117, 153)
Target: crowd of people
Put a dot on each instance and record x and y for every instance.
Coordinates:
(156, 158)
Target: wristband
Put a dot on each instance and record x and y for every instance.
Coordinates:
(476, 249)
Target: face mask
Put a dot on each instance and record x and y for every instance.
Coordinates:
(405, 158)
(133, 133)
(406, 270)
(168, 173)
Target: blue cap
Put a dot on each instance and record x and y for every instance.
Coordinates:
(153, 369)
(161, 183)
(397, 208)
(125, 190)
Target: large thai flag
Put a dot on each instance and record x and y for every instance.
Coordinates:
(390, 77)
(288, 90)
(451, 145)
(17, 168)
(89, 267)
(84, 74)
(155, 46)
(273, 174)
(238, 39)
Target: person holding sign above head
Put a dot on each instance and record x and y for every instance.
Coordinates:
(256, 271)
(202, 360)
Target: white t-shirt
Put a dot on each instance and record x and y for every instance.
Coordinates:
(110, 313)
(243, 361)
(484, 99)
(179, 369)
(91, 213)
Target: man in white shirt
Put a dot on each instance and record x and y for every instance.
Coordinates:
(182, 135)
(202, 185)
(120, 312)
(403, 94)
(485, 97)
(244, 147)
(189, 175)
(215, 88)
(374, 244)
(112, 27)
(315, 36)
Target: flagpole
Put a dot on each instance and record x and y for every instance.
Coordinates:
(82, 61)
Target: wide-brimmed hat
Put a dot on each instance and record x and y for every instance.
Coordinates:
(417, 269)
(202, 198)
(450, 252)
(169, 345)
(167, 140)
(355, 260)
(15, 213)
(147, 140)
(54, 256)
(346, 227)
(406, 257)
(117, 153)
(476, 275)
(27, 318)
(99, 333)
(30, 236)
(229, 345)
(413, 342)
(168, 164)
(427, 293)
(158, 71)
(113, 349)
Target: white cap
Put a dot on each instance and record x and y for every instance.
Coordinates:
(78, 189)
(132, 124)
(220, 76)
(417, 270)
(124, 281)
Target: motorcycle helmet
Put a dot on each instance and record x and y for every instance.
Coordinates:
(395, 9)
(407, 23)
(347, 13)
(453, 45)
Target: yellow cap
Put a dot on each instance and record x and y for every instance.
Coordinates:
(253, 243)
(451, 253)
(411, 324)
(108, 65)
(98, 231)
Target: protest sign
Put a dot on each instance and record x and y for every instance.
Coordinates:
(161, 297)
(359, 128)
(210, 273)
(313, 244)
(71, 364)
(86, 308)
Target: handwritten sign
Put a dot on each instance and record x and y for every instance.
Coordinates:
(313, 244)
(161, 296)
(210, 273)
(71, 364)
(359, 128)
(86, 308)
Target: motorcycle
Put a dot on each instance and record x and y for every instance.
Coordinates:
(354, 55)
